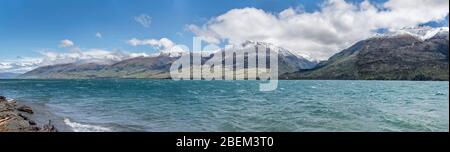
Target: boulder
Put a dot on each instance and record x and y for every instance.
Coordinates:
(31, 122)
(23, 116)
(26, 109)
(2, 98)
(14, 118)
(49, 127)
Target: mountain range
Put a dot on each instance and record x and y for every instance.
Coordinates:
(157, 66)
(412, 54)
(408, 54)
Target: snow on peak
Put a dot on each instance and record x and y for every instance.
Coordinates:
(420, 32)
(282, 51)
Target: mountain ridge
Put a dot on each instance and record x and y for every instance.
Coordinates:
(394, 57)
(409, 54)
(152, 67)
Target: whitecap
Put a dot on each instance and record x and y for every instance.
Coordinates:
(78, 127)
(10, 99)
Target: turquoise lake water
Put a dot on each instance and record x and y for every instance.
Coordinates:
(166, 105)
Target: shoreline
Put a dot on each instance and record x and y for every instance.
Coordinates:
(18, 117)
(56, 79)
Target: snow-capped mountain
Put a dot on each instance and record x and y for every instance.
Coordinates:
(408, 54)
(421, 32)
(281, 51)
(287, 61)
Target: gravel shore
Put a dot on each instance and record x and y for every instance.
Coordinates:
(15, 117)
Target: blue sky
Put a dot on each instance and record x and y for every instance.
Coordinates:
(28, 27)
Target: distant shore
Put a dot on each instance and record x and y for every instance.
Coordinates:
(16, 117)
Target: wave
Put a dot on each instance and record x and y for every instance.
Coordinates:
(439, 94)
(78, 127)
(10, 99)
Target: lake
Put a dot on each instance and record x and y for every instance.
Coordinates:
(297, 106)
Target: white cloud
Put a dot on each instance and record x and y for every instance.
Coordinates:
(144, 20)
(79, 55)
(98, 35)
(65, 43)
(337, 25)
(163, 43)
(164, 46)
